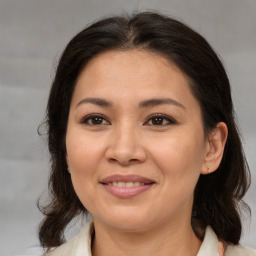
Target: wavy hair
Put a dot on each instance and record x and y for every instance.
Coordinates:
(218, 196)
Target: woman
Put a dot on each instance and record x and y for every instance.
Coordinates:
(142, 136)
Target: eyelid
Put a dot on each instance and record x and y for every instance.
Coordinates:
(88, 117)
(163, 116)
(166, 117)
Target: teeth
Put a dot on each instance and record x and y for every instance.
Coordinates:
(126, 184)
(129, 184)
(121, 184)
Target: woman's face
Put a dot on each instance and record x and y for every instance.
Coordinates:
(135, 141)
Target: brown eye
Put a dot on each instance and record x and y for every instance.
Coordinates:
(157, 120)
(95, 120)
(160, 120)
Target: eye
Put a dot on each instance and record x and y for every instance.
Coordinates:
(160, 120)
(95, 119)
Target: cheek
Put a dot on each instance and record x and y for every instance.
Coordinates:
(181, 155)
(179, 159)
(83, 159)
(82, 153)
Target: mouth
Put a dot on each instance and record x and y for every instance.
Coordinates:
(121, 184)
(126, 186)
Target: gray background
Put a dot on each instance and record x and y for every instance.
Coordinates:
(32, 35)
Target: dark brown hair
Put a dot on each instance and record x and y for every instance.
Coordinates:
(217, 195)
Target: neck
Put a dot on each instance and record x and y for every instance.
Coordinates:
(175, 240)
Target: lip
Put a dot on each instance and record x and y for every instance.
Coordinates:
(126, 178)
(126, 192)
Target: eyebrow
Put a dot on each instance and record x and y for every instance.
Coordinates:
(144, 104)
(161, 101)
(95, 101)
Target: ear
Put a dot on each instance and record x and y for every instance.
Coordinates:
(214, 148)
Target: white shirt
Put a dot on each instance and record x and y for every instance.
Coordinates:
(78, 247)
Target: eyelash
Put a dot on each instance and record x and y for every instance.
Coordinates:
(163, 118)
(90, 117)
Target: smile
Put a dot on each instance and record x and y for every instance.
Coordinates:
(126, 186)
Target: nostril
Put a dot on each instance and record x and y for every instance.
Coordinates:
(112, 160)
(123, 161)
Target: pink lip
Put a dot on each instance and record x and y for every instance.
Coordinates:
(126, 178)
(126, 192)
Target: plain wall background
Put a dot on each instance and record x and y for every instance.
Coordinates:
(32, 35)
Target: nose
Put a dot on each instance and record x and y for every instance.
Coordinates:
(125, 146)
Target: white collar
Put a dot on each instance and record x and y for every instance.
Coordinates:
(78, 247)
(210, 245)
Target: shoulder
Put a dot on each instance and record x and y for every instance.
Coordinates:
(77, 245)
(210, 246)
(239, 250)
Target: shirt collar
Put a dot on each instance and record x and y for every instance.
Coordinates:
(209, 246)
(78, 247)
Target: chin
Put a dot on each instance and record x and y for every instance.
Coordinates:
(127, 222)
(130, 226)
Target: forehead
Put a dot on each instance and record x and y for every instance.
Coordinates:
(133, 74)
(129, 63)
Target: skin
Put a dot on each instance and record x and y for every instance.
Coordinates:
(173, 153)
